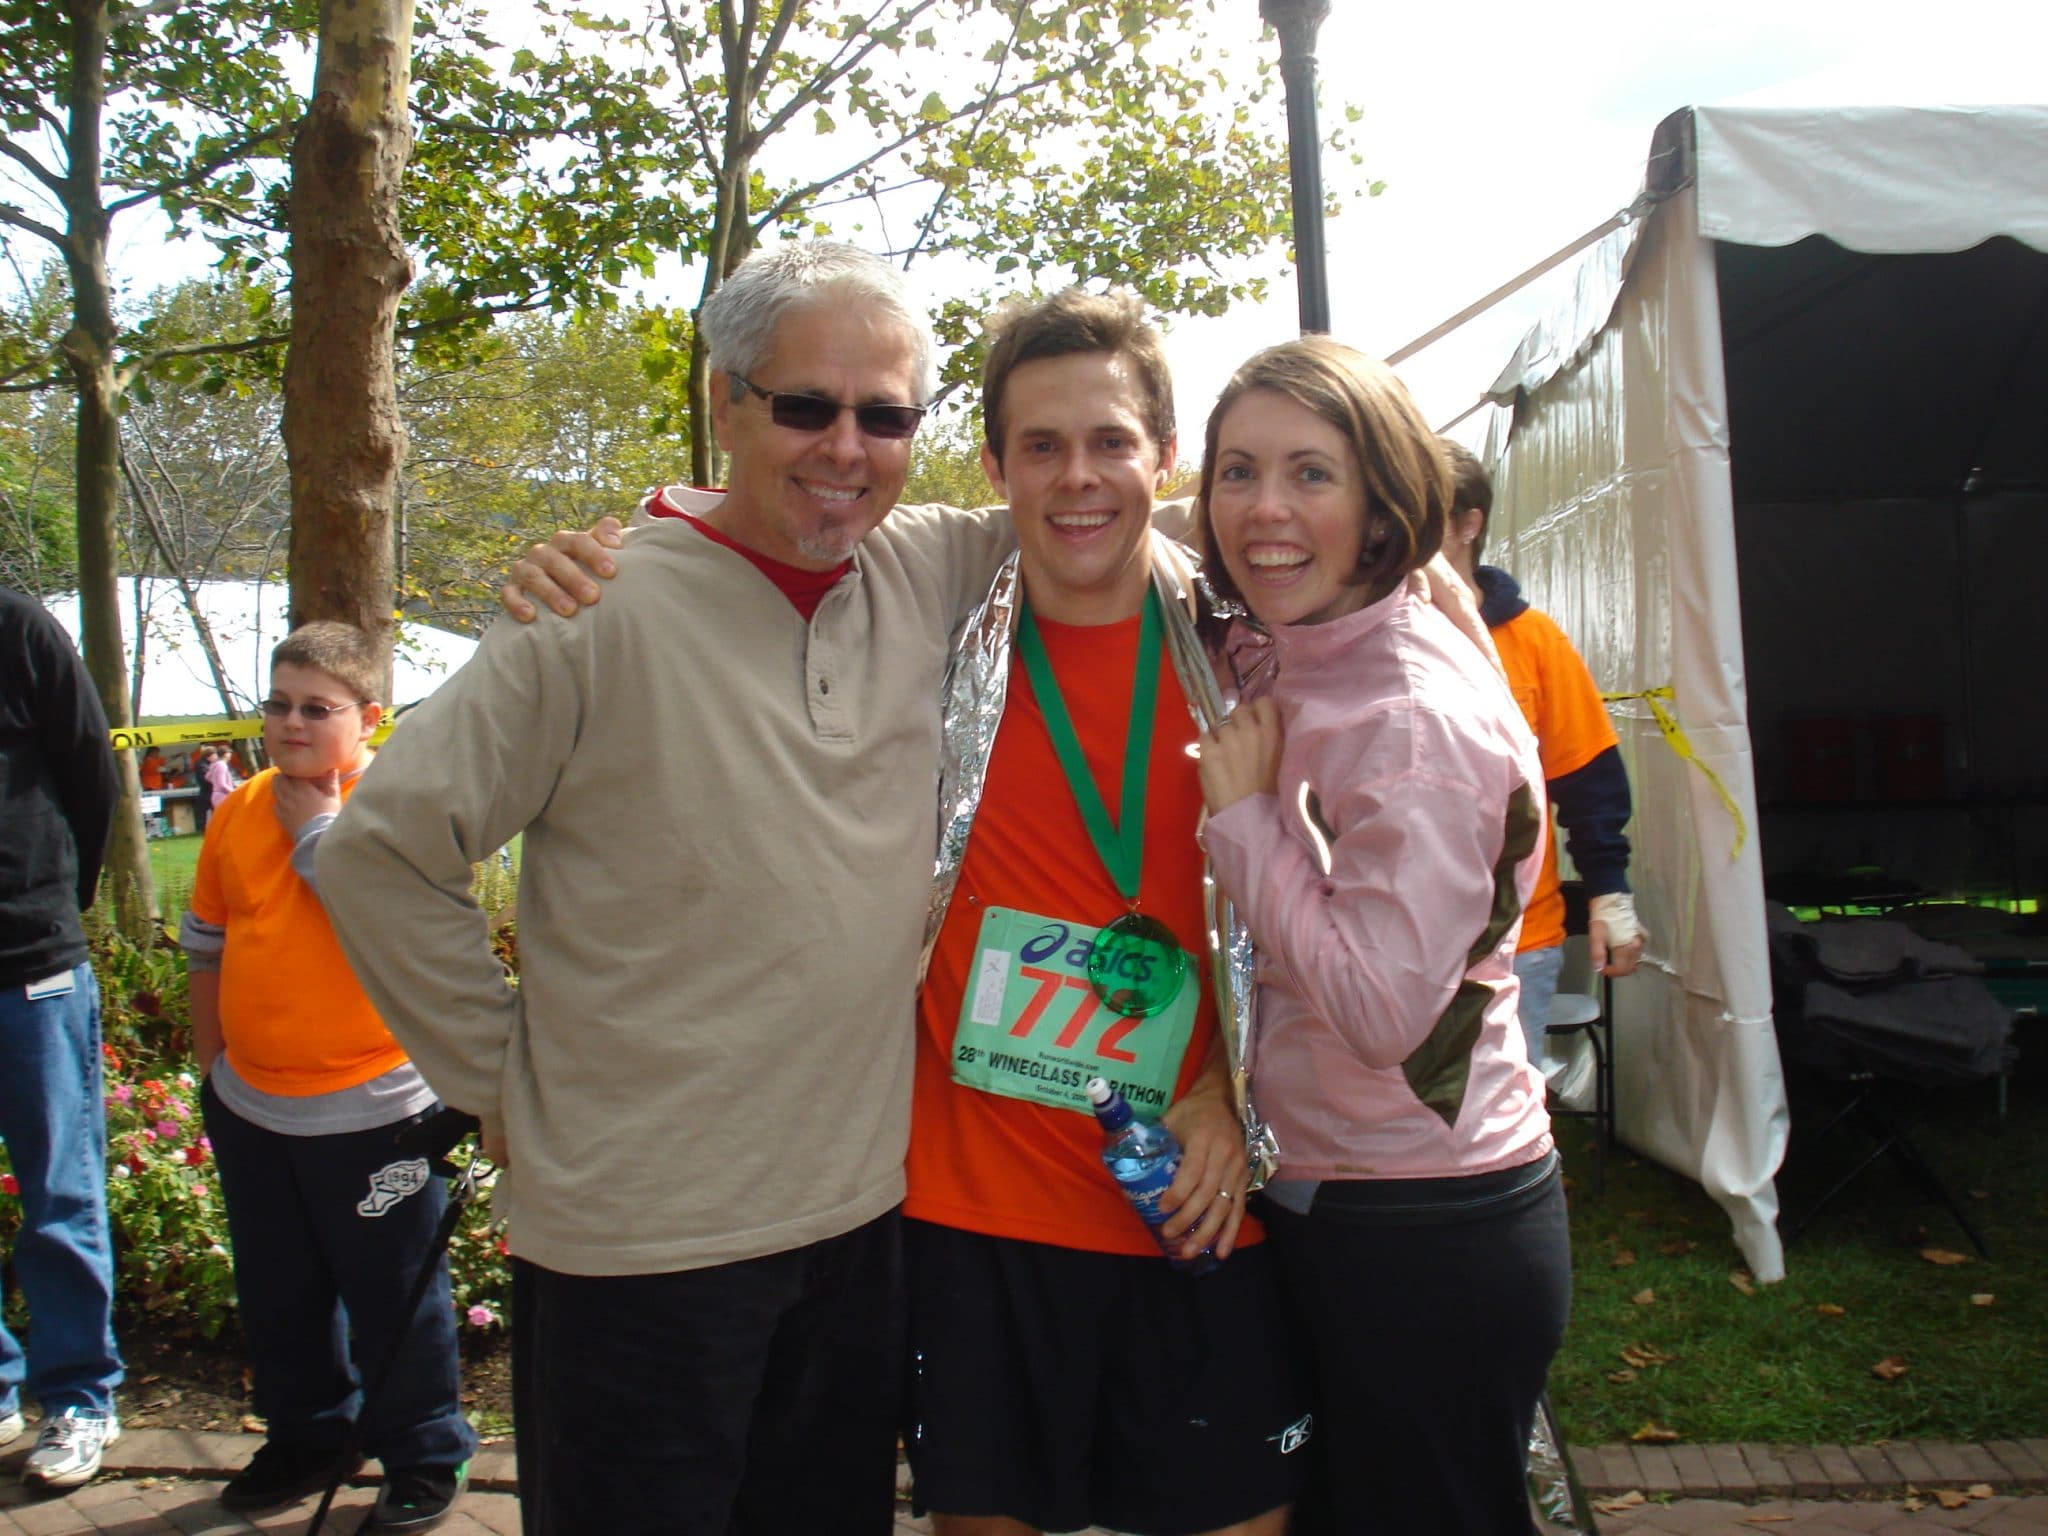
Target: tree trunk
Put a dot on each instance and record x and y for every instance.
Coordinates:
(731, 243)
(89, 353)
(343, 434)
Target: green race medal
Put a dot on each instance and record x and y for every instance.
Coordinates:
(1137, 967)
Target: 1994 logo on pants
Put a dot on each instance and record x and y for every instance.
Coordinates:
(392, 1183)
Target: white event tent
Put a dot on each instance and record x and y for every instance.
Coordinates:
(1784, 452)
(247, 619)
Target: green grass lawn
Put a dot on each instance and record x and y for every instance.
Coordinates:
(1652, 1261)
(171, 863)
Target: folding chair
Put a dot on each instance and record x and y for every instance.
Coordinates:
(1885, 1111)
(1589, 1013)
(1884, 1054)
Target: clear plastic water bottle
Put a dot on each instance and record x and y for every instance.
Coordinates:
(1142, 1159)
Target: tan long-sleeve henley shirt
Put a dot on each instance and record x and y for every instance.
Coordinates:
(729, 834)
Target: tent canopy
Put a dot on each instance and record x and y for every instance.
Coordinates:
(1779, 452)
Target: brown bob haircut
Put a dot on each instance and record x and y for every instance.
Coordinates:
(1407, 484)
(1074, 320)
(340, 650)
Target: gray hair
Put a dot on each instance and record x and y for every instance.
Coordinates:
(738, 321)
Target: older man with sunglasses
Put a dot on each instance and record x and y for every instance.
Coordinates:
(700, 1085)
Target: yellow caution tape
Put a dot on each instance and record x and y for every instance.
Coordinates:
(1660, 701)
(129, 738)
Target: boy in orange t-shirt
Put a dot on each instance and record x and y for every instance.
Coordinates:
(307, 1097)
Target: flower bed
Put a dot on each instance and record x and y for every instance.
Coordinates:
(174, 1268)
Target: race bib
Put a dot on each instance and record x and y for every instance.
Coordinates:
(1032, 1027)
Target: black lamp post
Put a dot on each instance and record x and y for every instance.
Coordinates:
(1296, 21)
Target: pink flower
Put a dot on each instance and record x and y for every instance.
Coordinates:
(9, 1184)
(146, 1135)
(168, 1129)
(198, 1191)
(481, 1316)
(124, 1093)
(206, 1142)
(180, 1110)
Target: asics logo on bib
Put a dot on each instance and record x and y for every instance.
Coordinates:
(1130, 965)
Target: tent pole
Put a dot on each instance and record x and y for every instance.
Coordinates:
(1296, 22)
(1516, 284)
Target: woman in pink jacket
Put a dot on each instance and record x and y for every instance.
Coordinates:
(220, 776)
(1376, 811)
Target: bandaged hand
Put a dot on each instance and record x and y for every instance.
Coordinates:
(1614, 938)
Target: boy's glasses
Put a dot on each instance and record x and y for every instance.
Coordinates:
(814, 413)
(313, 714)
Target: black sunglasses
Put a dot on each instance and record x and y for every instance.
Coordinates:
(814, 413)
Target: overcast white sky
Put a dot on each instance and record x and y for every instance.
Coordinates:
(1506, 128)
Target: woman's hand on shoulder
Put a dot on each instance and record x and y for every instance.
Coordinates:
(1241, 757)
(560, 572)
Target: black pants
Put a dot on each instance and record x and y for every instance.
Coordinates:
(1432, 1329)
(329, 1234)
(750, 1399)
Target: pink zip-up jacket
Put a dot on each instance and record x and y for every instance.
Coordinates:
(1387, 1042)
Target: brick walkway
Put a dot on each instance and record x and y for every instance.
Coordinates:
(163, 1482)
(1997, 1489)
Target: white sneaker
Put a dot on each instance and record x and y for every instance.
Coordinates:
(11, 1426)
(68, 1448)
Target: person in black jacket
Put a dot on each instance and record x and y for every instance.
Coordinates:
(58, 790)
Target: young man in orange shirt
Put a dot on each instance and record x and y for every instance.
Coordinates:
(1064, 1374)
(306, 1097)
(1581, 764)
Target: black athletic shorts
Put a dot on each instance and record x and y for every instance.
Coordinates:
(1065, 1388)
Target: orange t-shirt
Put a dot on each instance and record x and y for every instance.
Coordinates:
(1011, 1168)
(294, 1018)
(152, 772)
(1562, 704)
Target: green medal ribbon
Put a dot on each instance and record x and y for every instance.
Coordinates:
(1137, 966)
